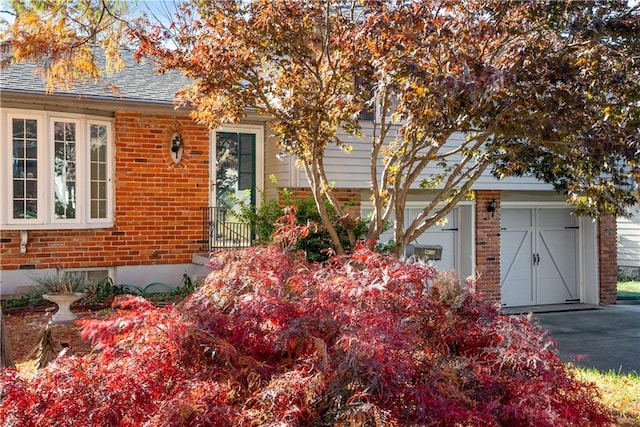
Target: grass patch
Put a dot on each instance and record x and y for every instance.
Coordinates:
(618, 392)
(629, 289)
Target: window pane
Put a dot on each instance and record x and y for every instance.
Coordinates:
(25, 169)
(19, 168)
(32, 150)
(18, 148)
(102, 191)
(95, 276)
(32, 189)
(25, 209)
(32, 169)
(64, 166)
(102, 171)
(18, 189)
(18, 128)
(31, 209)
(70, 132)
(31, 129)
(98, 174)
(18, 209)
(100, 208)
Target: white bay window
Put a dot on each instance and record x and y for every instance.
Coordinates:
(58, 171)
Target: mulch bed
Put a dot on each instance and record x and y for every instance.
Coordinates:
(25, 325)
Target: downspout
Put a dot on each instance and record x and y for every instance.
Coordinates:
(24, 238)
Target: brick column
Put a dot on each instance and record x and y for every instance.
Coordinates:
(488, 246)
(607, 259)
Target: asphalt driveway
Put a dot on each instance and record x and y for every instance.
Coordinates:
(604, 337)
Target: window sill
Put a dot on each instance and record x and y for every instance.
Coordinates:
(86, 226)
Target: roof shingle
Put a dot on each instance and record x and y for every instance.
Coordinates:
(137, 82)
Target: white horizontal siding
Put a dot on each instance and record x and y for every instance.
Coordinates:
(351, 169)
(629, 240)
(276, 165)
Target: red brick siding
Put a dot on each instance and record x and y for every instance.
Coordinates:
(157, 204)
(607, 259)
(488, 246)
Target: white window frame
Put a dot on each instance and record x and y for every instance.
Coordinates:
(110, 173)
(7, 189)
(86, 270)
(46, 152)
(81, 170)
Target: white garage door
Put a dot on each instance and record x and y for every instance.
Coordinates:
(538, 256)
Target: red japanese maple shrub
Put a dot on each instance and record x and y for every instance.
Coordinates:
(271, 339)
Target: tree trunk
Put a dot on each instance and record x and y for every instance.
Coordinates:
(313, 171)
(6, 358)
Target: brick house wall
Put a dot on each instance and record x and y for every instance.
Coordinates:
(607, 259)
(157, 216)
(488, 246)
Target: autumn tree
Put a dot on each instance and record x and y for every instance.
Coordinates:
(63, 37)
(549, 89)
(285, 59)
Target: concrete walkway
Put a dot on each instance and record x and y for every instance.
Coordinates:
(603, 337)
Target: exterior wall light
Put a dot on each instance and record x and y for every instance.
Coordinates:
(491, 207)
(176, 147)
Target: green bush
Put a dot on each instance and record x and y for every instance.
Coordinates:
(317, 245)
(97, 293)
(22, 301)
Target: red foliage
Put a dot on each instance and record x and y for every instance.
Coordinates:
(270, 339)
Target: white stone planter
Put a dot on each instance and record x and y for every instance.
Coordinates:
(64, 302)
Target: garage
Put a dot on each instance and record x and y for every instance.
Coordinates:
(539, 256)
(453, 237)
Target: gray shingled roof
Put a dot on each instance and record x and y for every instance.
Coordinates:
(136, 82)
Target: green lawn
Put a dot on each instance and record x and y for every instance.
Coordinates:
(629, 289)
(618, 392)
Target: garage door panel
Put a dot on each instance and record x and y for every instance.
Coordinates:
(555, 218)
(517, 218)
(539, 262)
(556, 270)
(515, 264)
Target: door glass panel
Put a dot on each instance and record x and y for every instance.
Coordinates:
(235, 168)
(246, 163)
(64, 166)
(25, 169)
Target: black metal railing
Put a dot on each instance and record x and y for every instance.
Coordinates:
(220, 230)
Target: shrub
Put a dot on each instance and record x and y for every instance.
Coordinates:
(67, 281)
(271, 339)
(317, 245)
(104, 289)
